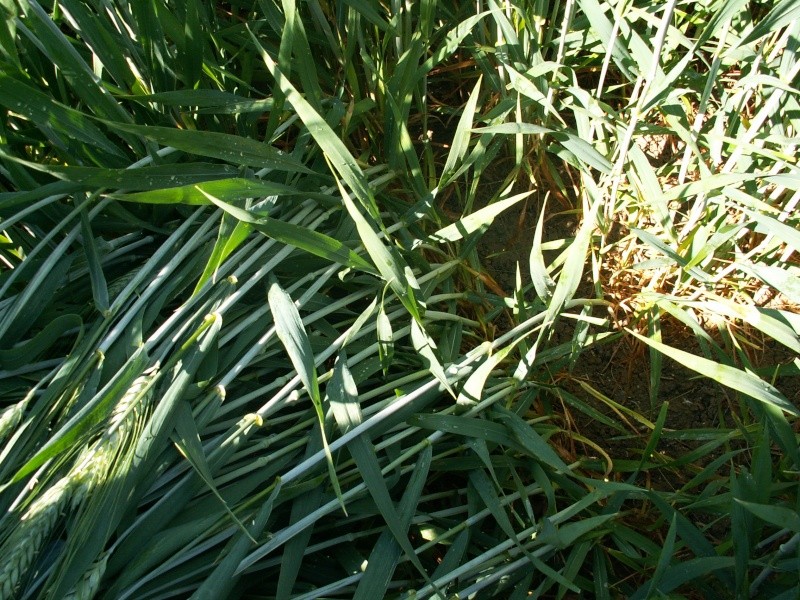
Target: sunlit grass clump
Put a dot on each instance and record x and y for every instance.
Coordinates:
(255, 341)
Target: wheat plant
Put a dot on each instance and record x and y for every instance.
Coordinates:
(298, 300)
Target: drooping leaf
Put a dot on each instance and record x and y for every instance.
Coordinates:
(293, 335)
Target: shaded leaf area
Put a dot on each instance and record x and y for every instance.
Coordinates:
(250, 344)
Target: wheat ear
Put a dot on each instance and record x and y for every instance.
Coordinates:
(91, 467)
(87, 587)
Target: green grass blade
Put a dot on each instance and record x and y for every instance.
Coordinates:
(476, 221)
(295, 548)
(232, 233)
(540, 276)
(342, 395)
(734, 378)
(8, 31)
(191, 50)
(385, 339)
(470, 427)
(403, 156)
(785, 280)
(153, 179)
(187, 440)
(451, 42)
(656, 362)
(29, 305)
(664, 559)
(151, 22)
(460, 143)
(237, 150)
(653, 241)
(390, 265)
(486, 490)
(386, 553)
(96, 275)
(28, 352)
(771, 226)
(48, 191)
(531, 441)
(295, 340)
(306, 239)
(776, 325)
(292, 334)
(568, 282)
(426, 348)
(62, 53)
(185, 362)
(369, 12)
(646, 180)
(472, 391)
(219, 583)
(779, 516)
(306, 69)
(108, 47)
(566, 535)
(284, 63)
(333, 148)
(194, 192)
(685, 572)
(86, 418)
(781, 15)
(50, 115)
(208, 101)
(360, 321)
(364, 453)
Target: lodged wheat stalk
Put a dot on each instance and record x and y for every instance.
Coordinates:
(91, 467)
